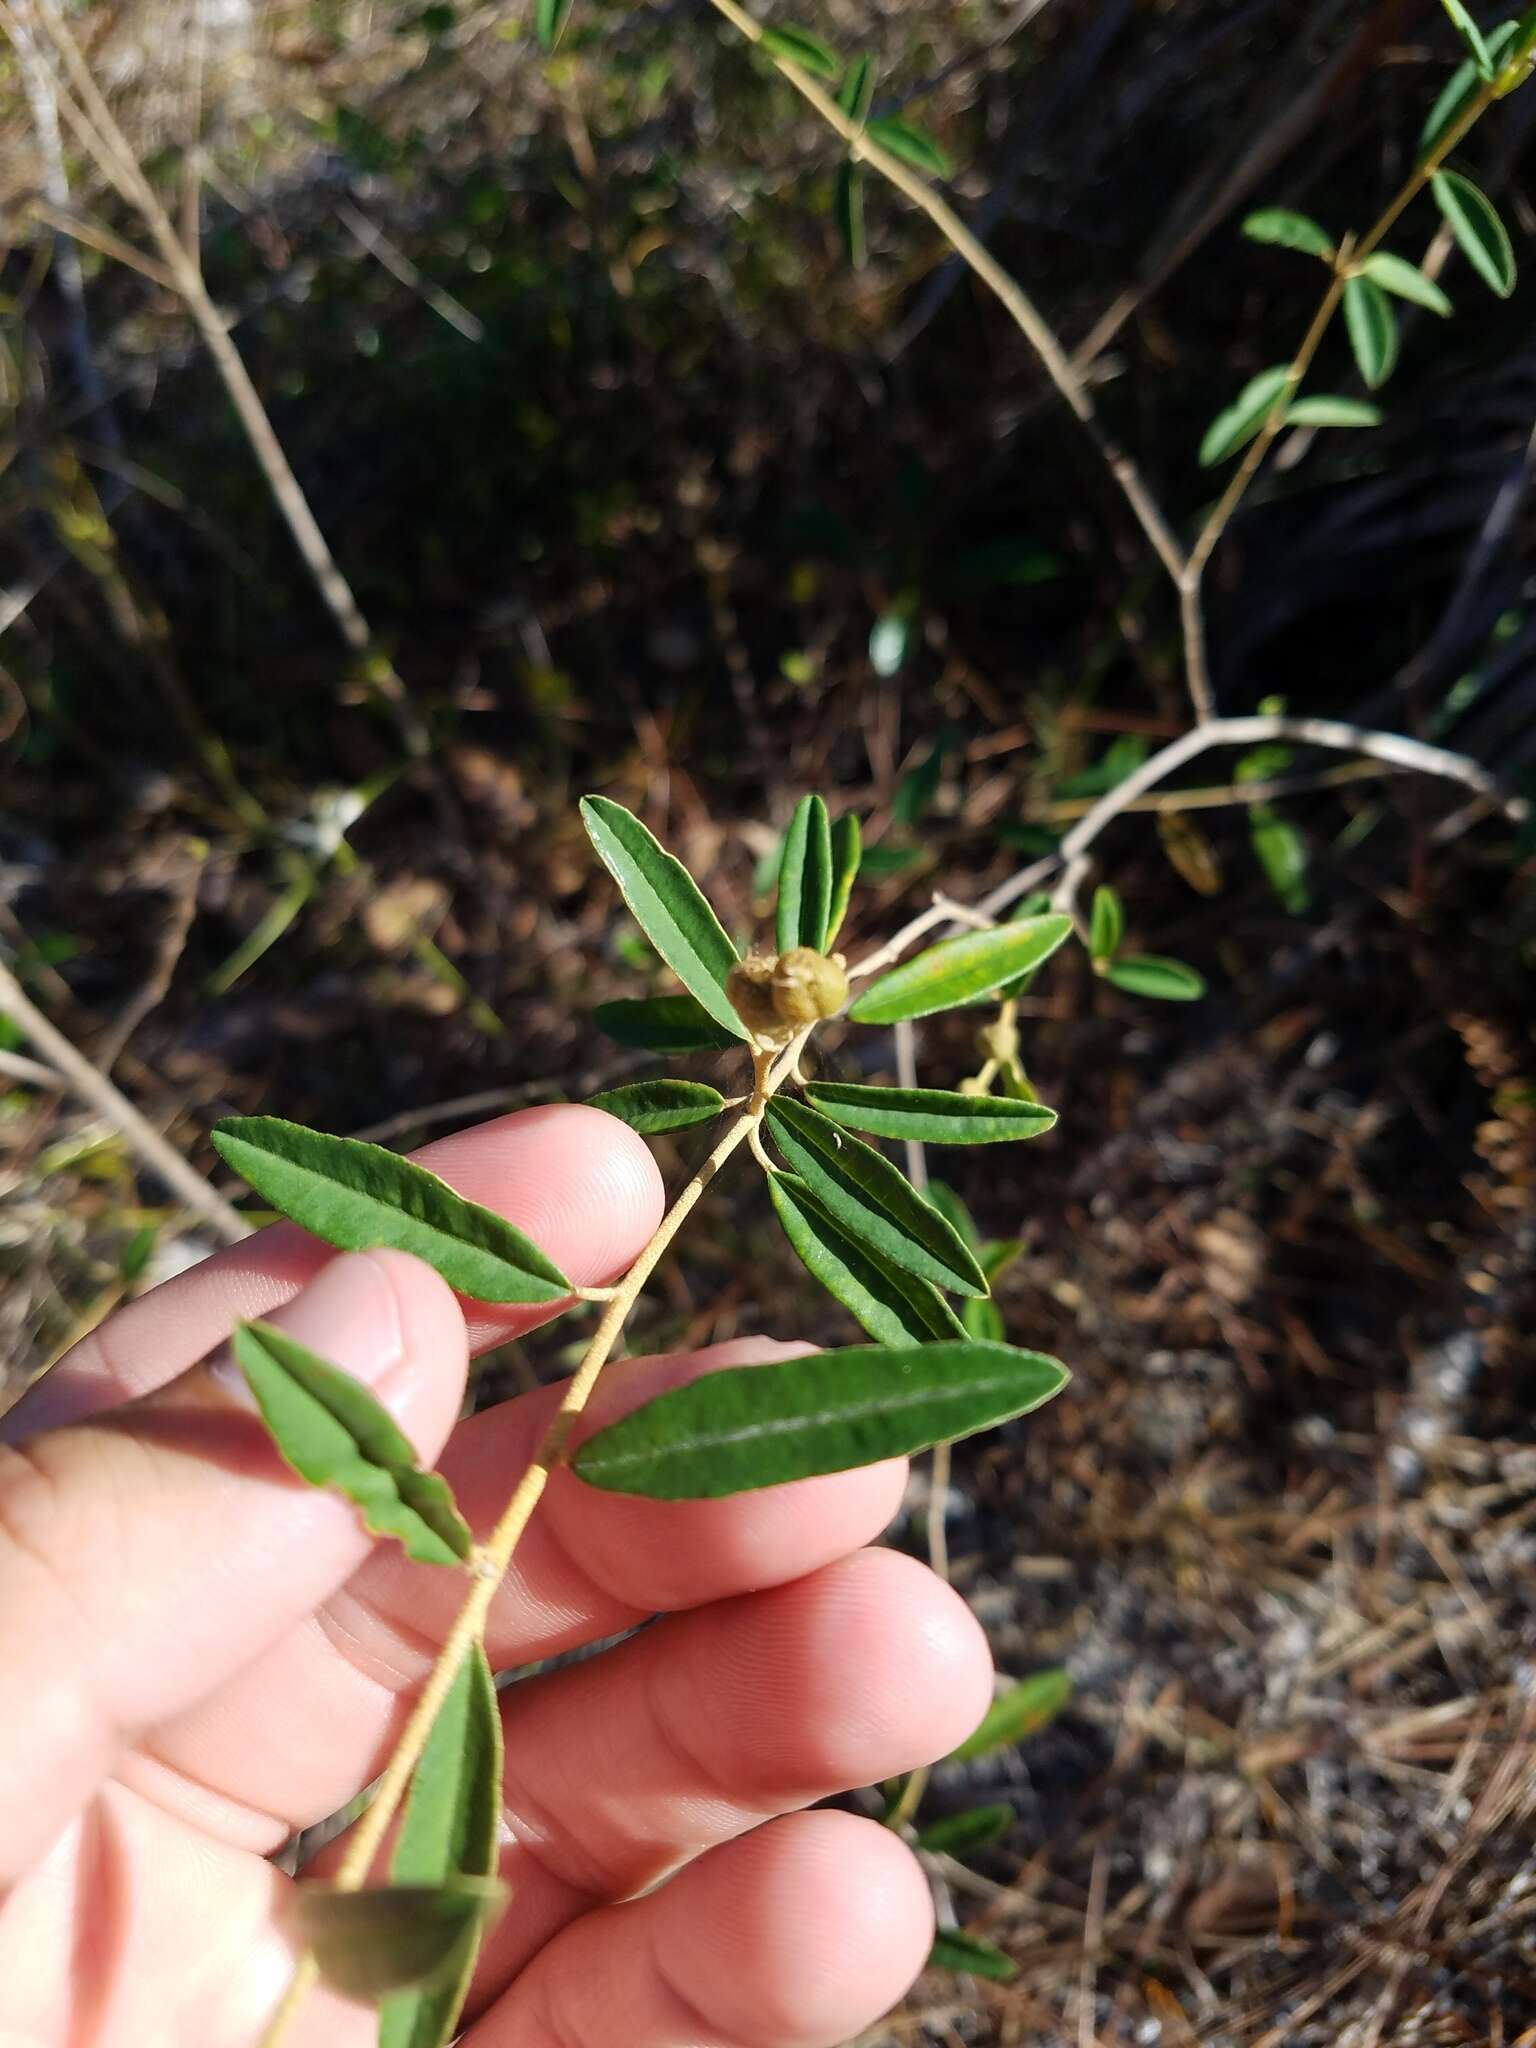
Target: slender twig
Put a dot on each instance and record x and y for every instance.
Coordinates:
(94, 1087)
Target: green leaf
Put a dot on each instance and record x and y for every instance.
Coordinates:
(333, 1432)
(955, 1833)
(450, 1829)
(912, 144)
(1288, 230)
(1406, 280)
(667, 904)
(932, 1116)
(871, 1199)
(663, 1024)
(1236, 427)
(1323, 409)
(858, 88)
(894, 1307)
(876, 862)
(549, 19)
(983, 1320)
(1016, 1714)
(805, 878)
(1106, 927)
(941, 1196)
(1282, 853)
(358, 1196)
(1148, 974)
(763, 1425)
(1480, 234)
(954, 1950)
(1471, 35)
(848, 207)
(958, 969)
(804, 49)
(918, 788)
(385, 1938)
(1462, 87)
(998, 1256)
(1372, 329)
(650, 1107)
(847, 853)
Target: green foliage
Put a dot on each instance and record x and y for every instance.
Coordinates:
(1323, 409)
(1463, 87)
(1244, 417)
(1471, 35)
(549, 20)
(1288, 230)
(651, 1107)
(848, 208)
(1023, 1710)
(1406, 281)
(1106, 926)
(1148, 974)
(1282, 854)
(857, 91)
(930, 1116)
(450, 1830)
(332, 1432)
(956, 1833)
(667, 904)
(358, 1196)
(804, 914)
(957, 970)
(385, 1939)
(847, 852)
(800, 47)
(912, 144)
(894, 1307)
(1480, 234)
(663, 1024)
(968, 1953)
(764, 1425)
(1372, 329)
(918, 787)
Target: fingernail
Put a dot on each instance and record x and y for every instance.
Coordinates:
(349, 1314)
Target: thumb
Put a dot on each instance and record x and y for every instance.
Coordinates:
(150, 1555)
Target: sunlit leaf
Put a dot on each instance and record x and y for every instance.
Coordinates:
(1282, 853)
(651, 1107)
(954, 1950)
(931, 1116)
(450, 1829)
(1016, 1714)
(667, 904)
(386, 1938)
(1372, 328)
(955, 1833)
(804, 49)
(1480, 234)
(1243, 418)
(663, 1024)
(549, 20)
(858, 88)
(958, 969)
(1148, 974)
(1323, 409)
(358, 1196)
(1106, 926)
(805, 878)
(333, 1432)
(895, 1308)
(1406, 280)
(1287, 230)
(912, 144)
(848, 209)
(847, 854)
(763, 1425)
(871, 1199)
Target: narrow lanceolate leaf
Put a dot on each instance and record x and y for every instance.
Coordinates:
(333, 1432)
(959, 969)
(1282, 854)
(1463, 86)
(804, 49)
(1016, 1714)
(871, 1199)
(763, 1425)
(848, 202)
(1406, 281)
(912, 144)
(805, 878)
(663, 1024)
(956, 1833)
(667, 905)
(894, 1307)
(1372, 327)
(1106, 927)
(847, 852)
(358, 1196)
(1323, 409)
(449, 1830)
(385, 1938)
(1471, 35)
(932, 1116)
(1288, 230)
(549, 19)
(1480, 234)
(1236, 427)
(858, 88)
(651, 1107)
(1148, 974)
(954, 1950)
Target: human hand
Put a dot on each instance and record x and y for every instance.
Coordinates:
(199, 1655)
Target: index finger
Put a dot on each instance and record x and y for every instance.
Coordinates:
(581, 1184)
